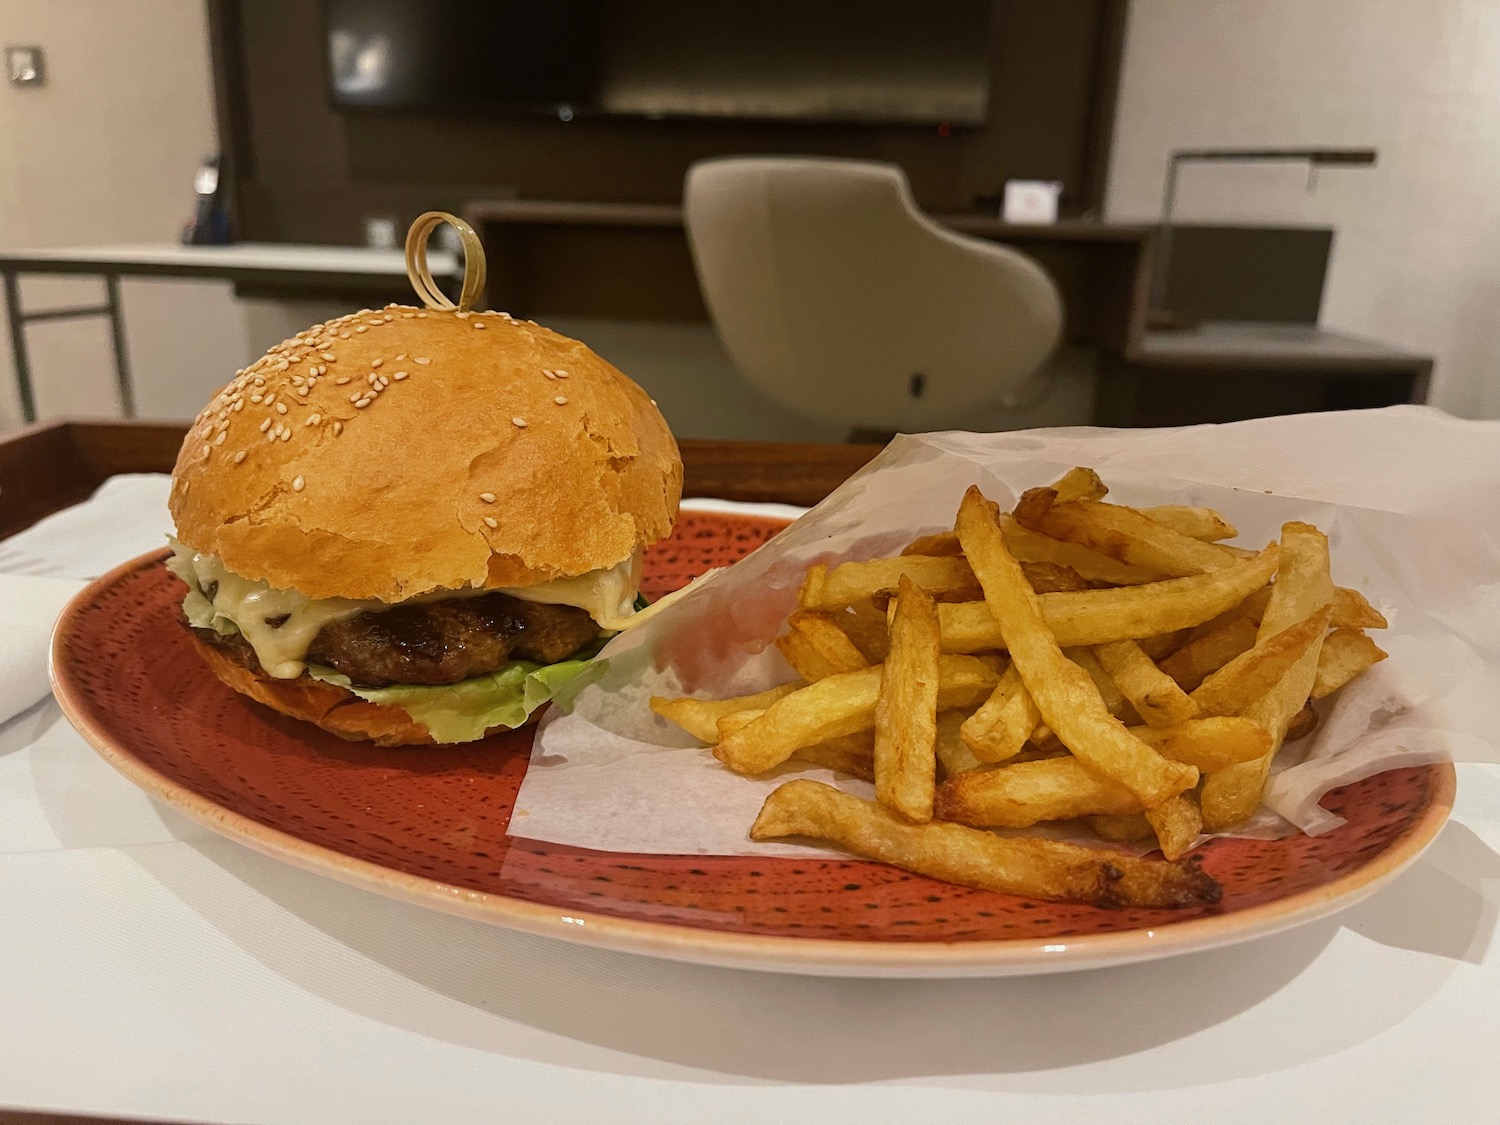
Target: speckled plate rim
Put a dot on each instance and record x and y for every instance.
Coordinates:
(679, 942)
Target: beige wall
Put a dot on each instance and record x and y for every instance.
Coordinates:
(1417, 256)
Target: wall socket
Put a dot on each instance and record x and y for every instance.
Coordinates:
(25, 66)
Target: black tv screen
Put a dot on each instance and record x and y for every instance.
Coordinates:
(871, 61)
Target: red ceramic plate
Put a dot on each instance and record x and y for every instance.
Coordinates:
(429, 825)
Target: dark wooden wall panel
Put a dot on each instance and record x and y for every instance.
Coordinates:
(305, 172)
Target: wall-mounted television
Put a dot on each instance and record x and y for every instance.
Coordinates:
(878, 62)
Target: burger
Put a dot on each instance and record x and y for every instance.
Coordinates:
(415, 525)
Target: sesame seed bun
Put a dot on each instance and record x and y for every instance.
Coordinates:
(325, 705)
(391, 453)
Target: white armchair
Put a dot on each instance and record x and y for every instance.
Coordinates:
(838, 298)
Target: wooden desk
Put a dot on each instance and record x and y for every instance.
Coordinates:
(279, 268)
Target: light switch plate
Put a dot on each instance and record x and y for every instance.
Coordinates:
(25, 66)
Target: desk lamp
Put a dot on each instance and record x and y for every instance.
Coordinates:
(1314, 158)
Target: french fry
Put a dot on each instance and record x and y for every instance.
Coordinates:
(1045, 869)
(1198, 659)
(1248, 677)
(1079, 483)
(864, 623)
(1351, 609)
(1346, 653)
(1018, 796)
(1096, 617)
(1062, 691)
(952, 753)
(853, 754)
(840, 705)
(816, 647)
(906, 711)
(1198, 523)
(1121, 533)
(1032, 546)
(949, 578)
(1114, 699)
(1303, 723)
(811, 591)
(700, 717)
(1053, 578)
(1177, 822)
(1004, 721)
(1155, 695)
(1163, 645)
(1302, 588)
(940, 544)
(1208, 744)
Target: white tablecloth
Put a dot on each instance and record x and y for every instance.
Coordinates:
(148, 968)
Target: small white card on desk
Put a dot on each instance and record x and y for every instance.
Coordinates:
(1030, 201)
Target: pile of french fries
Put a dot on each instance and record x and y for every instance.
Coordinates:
(1072, 659)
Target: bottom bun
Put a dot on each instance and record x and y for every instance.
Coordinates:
(329, 706)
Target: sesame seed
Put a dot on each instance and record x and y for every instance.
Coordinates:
(355, 398)
(257, 398)
(286, 435)
(271, 436)
(281, 408)
(384, 382)
(343, 335)
(238, 457)
(462, 314)
(518, 422)
(372, 379)
(338, 427)
(362, 403)
(266, 425)
(363, 328)
(376, 362)
(423, 360)
(300, 391)
(547, 371)
(327, 357)
(298, 485)
(270, 398)
(387, 318)
(220, 439)
(421, 316)
(400, 357)
(399, 375)
(487, 497)
(561, 400)
(479, 324)
(341, 380)
(407, 316)
(489, 522)
(238, 406)
(561, 374)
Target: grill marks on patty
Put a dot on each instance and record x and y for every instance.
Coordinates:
(439, 642)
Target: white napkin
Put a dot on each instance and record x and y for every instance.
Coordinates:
(126, 517)
(28, 607)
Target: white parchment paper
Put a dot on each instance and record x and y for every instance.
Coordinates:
(612, 776)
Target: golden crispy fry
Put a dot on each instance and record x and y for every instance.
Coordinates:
(1004, 721)
(1302, 588)
(1079, 483)
(1122, 828)
(850, 582)
(1018, 796)
(1053, 578)
(1155, 695)
(1121, 533)
(952, 754)
(1197, 523)
(816, 647)
(1208, 744)
(1109, 691)
(1177, 823)
(864, 623)
(811, 592)
(1351, 610)
(1303, 723)
(1096, 617)
(906, 712)
(853, 754)
(1253, 673)
(700, 717)
(940, 544)
(840, 705)
(1346, 653)
(1062, 691)
(1045, 869)
(1198, 659)
(1163, 645)
(1032, 546)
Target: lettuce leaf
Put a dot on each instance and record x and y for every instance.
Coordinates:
(462, 712)
(196, 607)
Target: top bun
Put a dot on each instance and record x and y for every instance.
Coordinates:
(494, 453)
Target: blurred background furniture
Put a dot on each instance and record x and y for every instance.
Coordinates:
(347, 272)
(838, 298)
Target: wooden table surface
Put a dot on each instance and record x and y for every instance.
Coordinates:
(52, 465)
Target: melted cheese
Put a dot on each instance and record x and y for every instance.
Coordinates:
(607, 595)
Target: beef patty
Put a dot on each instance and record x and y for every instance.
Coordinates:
(440, 642)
